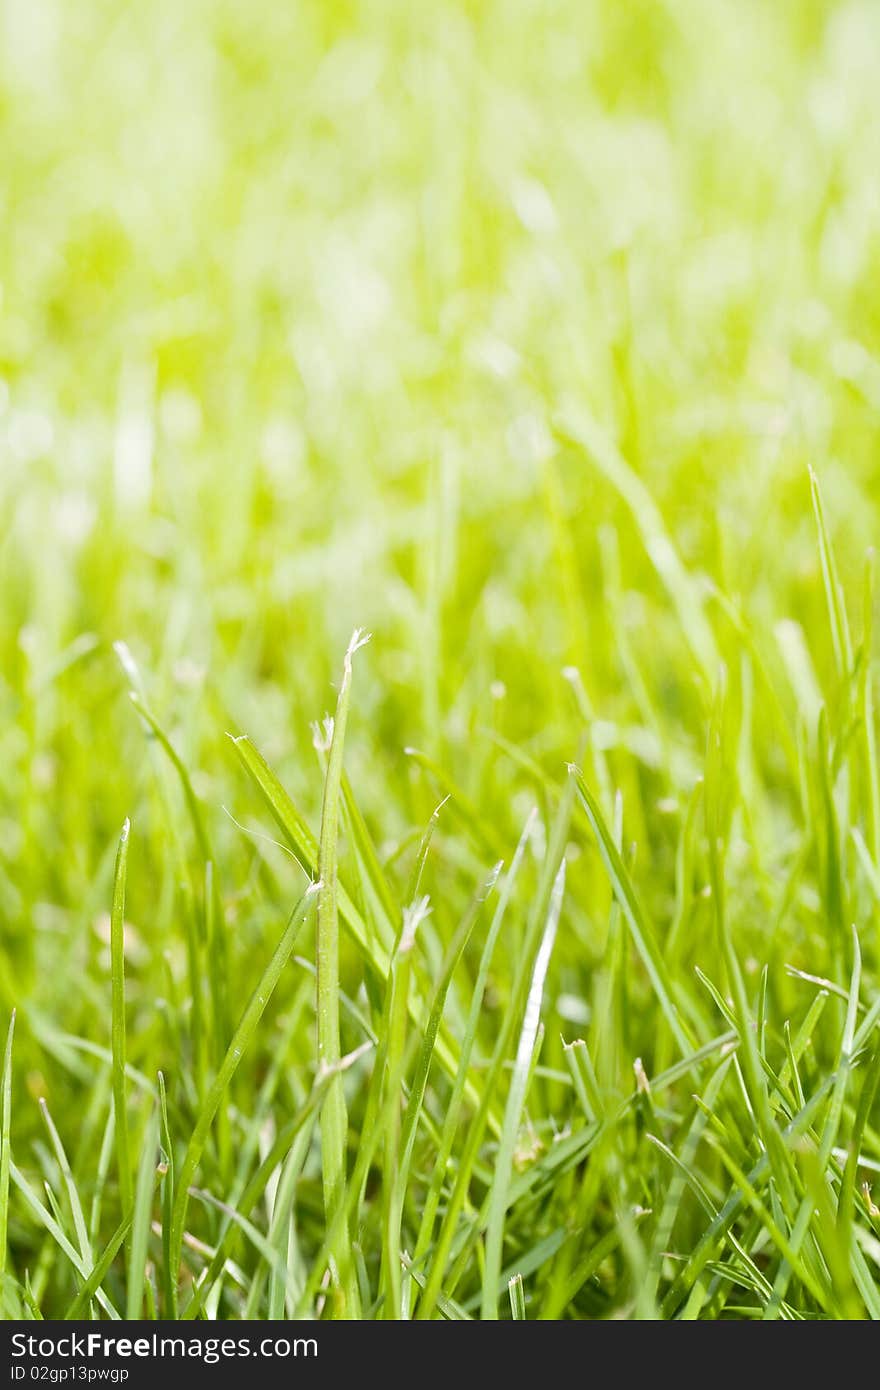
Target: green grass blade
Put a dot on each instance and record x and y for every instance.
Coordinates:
(79, 1221)
(847, 1199)
(484, 836)
(5, 1142)
(517, 1298)
(515, 1102)
(840, 637)
(535, 926)
(142, 1212)
(240, 1039)
(91, 1286)
(578, 428)
(117, 979)
(641, 934)
(454, 1105)
(257, 1184)
(46, 1219)
(334, 1118)
(168, 1188)
(261, 1244)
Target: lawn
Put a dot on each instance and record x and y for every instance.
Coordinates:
(522, 960)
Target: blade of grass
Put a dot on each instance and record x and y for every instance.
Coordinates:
(305, 848)
(141, 1217)
(709, 1242)
(870, 771)
(280, 1226)
(91, 1286)
(453, 1108)
(167, 1177)
(73, 1198)
(240, 1039)
(5, 1142)
(675, 1192)
(47, 1220)
(390, 1282)
(517, 1298)
(847, 1199)
(257, 1184)
(485, 838)
(830, 1129)
(117, 976)
(580, 430)
(515, 1102)
(639, 929)
(334, 1118)
(840, 638)
(534, 929)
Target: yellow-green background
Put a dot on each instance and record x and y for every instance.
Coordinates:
(308, 315)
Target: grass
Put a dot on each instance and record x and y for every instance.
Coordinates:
(541, 980)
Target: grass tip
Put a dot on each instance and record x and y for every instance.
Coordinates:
(413, 916)
(322, 733)
(492, 880)
(359, 638)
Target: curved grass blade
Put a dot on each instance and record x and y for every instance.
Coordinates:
(302, 842)
(76, 1210)
(240, 1040)
(258, 1182)
(46, 1219)
(99, 1272)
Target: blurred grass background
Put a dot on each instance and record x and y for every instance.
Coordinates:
(297, 305)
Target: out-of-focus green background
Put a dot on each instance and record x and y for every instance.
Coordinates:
(299, 306)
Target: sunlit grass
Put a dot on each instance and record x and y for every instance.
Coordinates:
(543, 342)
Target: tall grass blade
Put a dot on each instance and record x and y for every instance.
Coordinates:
(515, 1102)
(117, 976)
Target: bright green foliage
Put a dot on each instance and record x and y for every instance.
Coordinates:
(543, 342)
